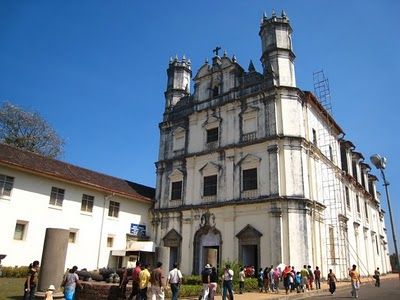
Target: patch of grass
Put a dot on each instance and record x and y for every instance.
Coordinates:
(11, 288)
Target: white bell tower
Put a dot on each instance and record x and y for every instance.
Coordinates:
(277, 52)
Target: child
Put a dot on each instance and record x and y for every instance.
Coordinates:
(297, 282)
(49, 293)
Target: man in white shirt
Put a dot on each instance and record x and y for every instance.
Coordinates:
(174, 280)
(227, 282)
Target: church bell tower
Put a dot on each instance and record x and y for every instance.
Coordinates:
(277, 52)
(179, 74)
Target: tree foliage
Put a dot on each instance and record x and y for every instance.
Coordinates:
(29, 131)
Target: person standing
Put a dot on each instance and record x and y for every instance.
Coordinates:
(242, 275)
(144, 279)
(355, 281)
(135, 280)
(304, 278)
(271, 278)
(310, 277)
(276, 277)
(332, 281)
(213, 283)
(31, 281)
(377, 277)
(317, 278)
(205, 279)
(260, 280)
(227, 282)
(174, 280)
(156, 280)
(70, 283)
(287, 277)
(124, 281)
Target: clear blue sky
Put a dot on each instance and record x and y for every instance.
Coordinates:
(96, 70)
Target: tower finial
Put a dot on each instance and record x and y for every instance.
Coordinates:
(251, 66)
(273, 13)
(283, 15)
(265, 15)
(234, 58)
(183, 57)
(206, 61)
(225, 54)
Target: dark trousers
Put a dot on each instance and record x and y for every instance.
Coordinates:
(227, 286)
(317, 283)
(142, 294)
(241, 286)
(332, 287)
(31, 294)
(135, 290)
(377, 282)
(175, 291)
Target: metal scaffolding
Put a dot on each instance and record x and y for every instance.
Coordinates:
(330, 188)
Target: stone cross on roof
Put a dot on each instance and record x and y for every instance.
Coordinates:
(216, 50)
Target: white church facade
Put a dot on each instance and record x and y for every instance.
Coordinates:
(253, 169)
(107, 217)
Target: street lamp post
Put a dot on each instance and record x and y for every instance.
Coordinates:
(380, 163)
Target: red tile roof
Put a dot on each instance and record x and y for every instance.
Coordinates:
(35, 163)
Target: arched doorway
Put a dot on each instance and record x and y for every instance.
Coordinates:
(207, 244)
(249, 246)
(173, 240)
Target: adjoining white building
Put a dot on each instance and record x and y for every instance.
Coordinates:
(108, 217)
(253, 169)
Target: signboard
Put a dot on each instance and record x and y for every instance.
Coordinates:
(138, 230)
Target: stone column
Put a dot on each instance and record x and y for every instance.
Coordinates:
(162, 254)
(53, 261)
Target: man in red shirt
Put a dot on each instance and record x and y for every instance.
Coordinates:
(135, 280)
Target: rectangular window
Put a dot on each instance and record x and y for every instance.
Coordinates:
(347, 197)
(210, 185)
(358, 204)
(6, 185)
(20, 230)
(377, 245)
(314, 137)
(110, 241)
(332, 245)
(72, 237)
(343, 155)
(57, 196)
(212, 135)
(87, 203)
(176, 192)
(250, 179)
(113, 209)
(330, 153)
(355, 170)
(366, 210)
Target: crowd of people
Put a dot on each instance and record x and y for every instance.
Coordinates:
(146, 283)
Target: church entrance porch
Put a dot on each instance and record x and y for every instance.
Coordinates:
(207, 244)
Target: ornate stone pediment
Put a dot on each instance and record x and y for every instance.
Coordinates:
(172, 239)
(176, 174)
(179, 130)
(210, 167)
(249, 232)
(249, 159)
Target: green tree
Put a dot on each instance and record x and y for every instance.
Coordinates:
(29, 131)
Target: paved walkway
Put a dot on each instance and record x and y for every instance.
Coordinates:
(294, 295)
